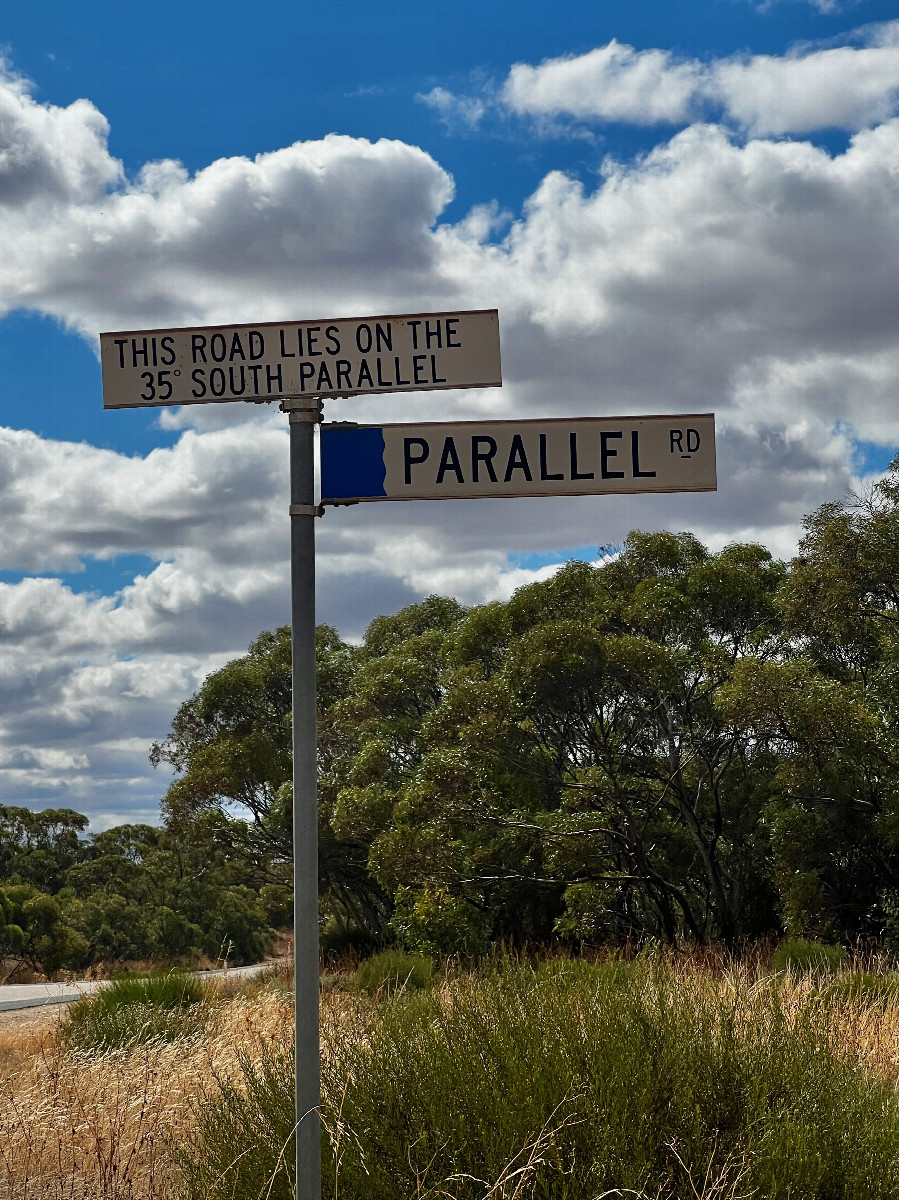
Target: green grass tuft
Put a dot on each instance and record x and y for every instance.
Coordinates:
(393, 970)
(864, 988)
(803, 957)
(134, 1009)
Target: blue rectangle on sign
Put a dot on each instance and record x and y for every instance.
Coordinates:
(352, 464)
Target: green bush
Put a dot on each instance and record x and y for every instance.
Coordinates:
(802, 957)
(432, 920)
(242, 1146)
(392, 970)
(567, 1083)
(339, 941)
(134, 1009)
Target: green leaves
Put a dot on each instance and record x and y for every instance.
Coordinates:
(230, 742)
(468, 741)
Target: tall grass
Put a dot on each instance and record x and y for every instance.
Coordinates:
(568, 1082)
(391, 970)
(864, 988)
(242, 1145)
(801, 956)
(549, 1083)
(83, 1125)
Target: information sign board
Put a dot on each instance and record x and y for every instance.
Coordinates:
(576, 457)
(342, 357)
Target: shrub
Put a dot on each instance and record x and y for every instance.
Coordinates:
(134, 1009)
(243, 1144)
(800, 956)
(165, 989)
(393, 969)
(565, 1084)
(277, 975)
(339, 941)
(432, 920)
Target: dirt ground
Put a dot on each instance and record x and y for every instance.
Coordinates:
(32, 1020)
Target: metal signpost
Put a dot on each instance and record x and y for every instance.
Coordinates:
(302, 363)
(299, 363)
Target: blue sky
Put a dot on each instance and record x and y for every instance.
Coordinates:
(675, 206)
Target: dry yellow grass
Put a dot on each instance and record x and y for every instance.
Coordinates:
(868, 1033)
(77, 1126)
(871, 1033)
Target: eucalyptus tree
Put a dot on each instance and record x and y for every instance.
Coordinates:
(230, 746)
(831, 716)
(560, 763)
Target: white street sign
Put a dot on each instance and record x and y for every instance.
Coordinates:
(345, 357)
(578, 457)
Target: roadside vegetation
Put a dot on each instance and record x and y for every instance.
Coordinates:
(89, 1122)
(165, 1007)
(546, 1079)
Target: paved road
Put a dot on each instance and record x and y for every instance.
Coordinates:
(34, 995)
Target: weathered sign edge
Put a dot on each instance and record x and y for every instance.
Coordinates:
(480, 312)
(335, 503)
(349, 426)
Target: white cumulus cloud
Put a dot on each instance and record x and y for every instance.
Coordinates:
(50, 155)
(611, 83)
(315, 219)
(844, 88)
(811, 88)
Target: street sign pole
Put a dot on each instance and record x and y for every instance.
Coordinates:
(298, 363)
(304, 414)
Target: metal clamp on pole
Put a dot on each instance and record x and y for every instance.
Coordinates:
(307, 510)
(302, 408)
